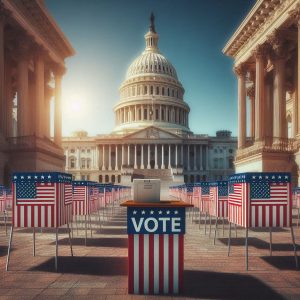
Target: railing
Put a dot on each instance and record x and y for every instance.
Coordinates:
(268, 144)
(32, 142)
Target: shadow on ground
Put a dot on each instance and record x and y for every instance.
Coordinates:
(99, 242)
(281, 262)
(107, 266)
(3, 251)
(258, 243)
(212, 285)
(113, 231)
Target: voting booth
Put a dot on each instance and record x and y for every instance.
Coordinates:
(41, 200)
(155, 245)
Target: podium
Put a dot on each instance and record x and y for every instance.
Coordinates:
(155, 246)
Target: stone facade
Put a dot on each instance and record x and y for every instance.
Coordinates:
(32, 53)
(266, 52)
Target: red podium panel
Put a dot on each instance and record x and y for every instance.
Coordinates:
(155, 246)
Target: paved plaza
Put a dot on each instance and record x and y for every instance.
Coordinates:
(99, 270)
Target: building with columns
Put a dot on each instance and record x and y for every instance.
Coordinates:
(151, 138)
(32, 54)
(266, 53)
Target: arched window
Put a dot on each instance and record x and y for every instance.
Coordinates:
(168, 92)
(106, 178)
(113, 178)
(82, 165)
(157, 90)
(163, 115)
(72, 163)
(151, 90)
(163, 91)
(100, 178)
(88, 163)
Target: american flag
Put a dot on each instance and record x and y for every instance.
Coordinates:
(204, 198)
(219, 199)
(260, 199)
(155, 259)
(41, 199)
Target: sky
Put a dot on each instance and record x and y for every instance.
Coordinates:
(108, 35)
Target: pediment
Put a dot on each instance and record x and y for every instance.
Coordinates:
(152, 133)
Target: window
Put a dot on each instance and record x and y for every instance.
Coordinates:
(88, 150)
(82, 163)
(230, 151)
(138, 90)
(156, 114)
(163, 115)
(106, 178)
(113, 178)
(230, 162)
(72, 162)
(168, 92)
(82, 150)
(88, 163)
(163, 91)
(151, 90)
(216, 151)
(145, 113)
(157, 90)
(100, 178)
(72, 150)
(145, 90)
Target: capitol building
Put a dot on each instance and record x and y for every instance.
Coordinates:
(151, 138)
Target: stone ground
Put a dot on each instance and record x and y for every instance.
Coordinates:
(98, 270)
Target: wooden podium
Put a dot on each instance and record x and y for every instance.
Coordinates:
(155, 246)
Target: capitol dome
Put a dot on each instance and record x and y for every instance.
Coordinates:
(151, 94)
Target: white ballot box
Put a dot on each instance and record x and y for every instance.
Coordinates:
(146, 190)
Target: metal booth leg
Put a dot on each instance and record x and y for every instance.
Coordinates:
(205, 223)
(9, 247)
(246, 248)
(235, 230)
(199, 218)
(216, 227)
(70, 240)
(229, 239)
(90, 218)
(71, 224)
(5, 221)
(85, 222)
(209, 225)
(33, 236)
(76, 221)
(223, 221)
(294, 246)
(270, 228)
(56, 250)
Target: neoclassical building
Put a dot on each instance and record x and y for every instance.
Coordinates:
(151, 138)
(266, 53)
(32, 54)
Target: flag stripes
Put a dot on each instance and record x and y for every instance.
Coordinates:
(155, 263)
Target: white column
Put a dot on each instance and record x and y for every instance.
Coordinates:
(156, 166)
(135, 157)
(195, 157)
(148, 165)
(201, 158)
(176, 155)
(122, 155)
(128, 155)
(109, 157)
(280, 128)
(169, 162)
(241, 73)
(259, 94)
(207, 163)
(142, 157)
(97, 157)
(67, 159)
(78, 158)
(162, 157)
(188, 158)
(181, 156)
(103, 157)
(58, 113)
(116, 156)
